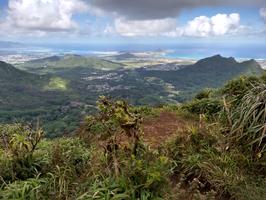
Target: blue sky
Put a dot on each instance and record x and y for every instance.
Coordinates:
(118, 21)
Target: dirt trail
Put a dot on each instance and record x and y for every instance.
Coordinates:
(158, 129)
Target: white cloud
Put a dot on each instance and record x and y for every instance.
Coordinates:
(132, 28)
(263, 13)
(202, 26)
(220, 24)
(43, 15)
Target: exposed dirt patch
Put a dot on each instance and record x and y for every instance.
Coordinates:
(157, 130)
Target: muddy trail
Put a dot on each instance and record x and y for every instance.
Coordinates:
(157, 130)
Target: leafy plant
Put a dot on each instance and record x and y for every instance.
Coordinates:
(237, 88)
(249, 118)
(210, 107)
(204, 94)
(29, 189)
(19, 144)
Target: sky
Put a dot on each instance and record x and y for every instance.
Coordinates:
(148, 21)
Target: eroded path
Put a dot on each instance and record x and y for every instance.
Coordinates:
(160, 128)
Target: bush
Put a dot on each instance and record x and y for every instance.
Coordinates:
(203, 165)
(210, 107)
(236, 89)
(72, 153)
(19, 143)
(25, 190)
(6, 173)
(204, 94)
(249, 118)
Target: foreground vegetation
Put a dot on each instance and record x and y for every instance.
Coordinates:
(218, 154)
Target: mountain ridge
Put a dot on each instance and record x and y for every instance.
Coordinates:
(50, 94)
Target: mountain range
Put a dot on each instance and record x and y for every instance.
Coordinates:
(60, 90)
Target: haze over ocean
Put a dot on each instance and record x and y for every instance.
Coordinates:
(182, 50)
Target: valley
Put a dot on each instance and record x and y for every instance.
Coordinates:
(59, 91)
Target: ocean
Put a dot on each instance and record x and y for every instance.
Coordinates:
(193, 51)
(182, 50)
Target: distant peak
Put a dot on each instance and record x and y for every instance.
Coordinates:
(2, 62)
(232, 59)
(216, 56)
(5, 65)
(251, 61)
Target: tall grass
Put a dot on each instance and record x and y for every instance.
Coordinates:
(249, 121)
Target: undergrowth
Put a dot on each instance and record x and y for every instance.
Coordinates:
(220, 154)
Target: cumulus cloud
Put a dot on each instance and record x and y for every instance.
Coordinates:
(263, 13)
(160, 9)
(202, 26)
(220, 24)
(43, 15)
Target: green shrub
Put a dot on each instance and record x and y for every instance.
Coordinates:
(204, 94)
(107, 188)
(30, 189)
(6, 173)
(210, 107)
(249, 117)
(19, 144)
(203, 165)
(72, 153)
(236, 89)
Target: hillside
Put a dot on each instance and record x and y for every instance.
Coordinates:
(59, 92)
(160, 85)
(15, 83)
(124, 56)
(28, 97)
(212, 72)
(10, 73)
(212, 147)
(33, 88)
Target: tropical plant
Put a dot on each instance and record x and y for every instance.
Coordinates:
(249, 121)
(19, 143)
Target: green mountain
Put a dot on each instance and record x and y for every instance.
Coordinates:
(218, 64)
(27, 97)
(64, 89)
(124, 56)
(9, 72)
(212, 72)
(17, 85)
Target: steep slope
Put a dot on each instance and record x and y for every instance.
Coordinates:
(216, 70)
(25, 96)
(11, 75)
(8, 72)
(210, 72)
(19, 89)
(219, 64)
